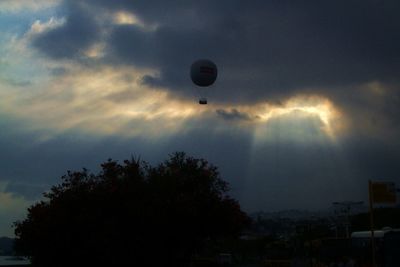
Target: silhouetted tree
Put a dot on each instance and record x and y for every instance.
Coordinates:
(130, 213)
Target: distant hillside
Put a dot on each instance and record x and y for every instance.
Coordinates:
(297, 215)
(294, 215)
(6, 246)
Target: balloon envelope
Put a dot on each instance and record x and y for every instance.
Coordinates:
(203, 72)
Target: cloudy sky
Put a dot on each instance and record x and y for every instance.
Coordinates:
(304, 112)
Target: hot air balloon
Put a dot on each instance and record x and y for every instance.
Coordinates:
(203, 73)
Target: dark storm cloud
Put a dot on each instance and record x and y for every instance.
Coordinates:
(233, 114)
(72, 38)
(267, 46)
(371, 110)
(263, 48)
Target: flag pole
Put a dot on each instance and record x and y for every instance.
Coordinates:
(371, 220)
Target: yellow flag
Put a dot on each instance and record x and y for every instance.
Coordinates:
(383, 192)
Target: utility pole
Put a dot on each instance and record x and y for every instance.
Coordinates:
(345, 209)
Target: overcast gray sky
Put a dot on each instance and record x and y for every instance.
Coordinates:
(304, 111)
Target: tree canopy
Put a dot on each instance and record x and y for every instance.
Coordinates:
(131, 213)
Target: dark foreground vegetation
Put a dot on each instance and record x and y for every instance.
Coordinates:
(131, 213)
(179, 213)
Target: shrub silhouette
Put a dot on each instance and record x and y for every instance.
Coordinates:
(130, 213)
